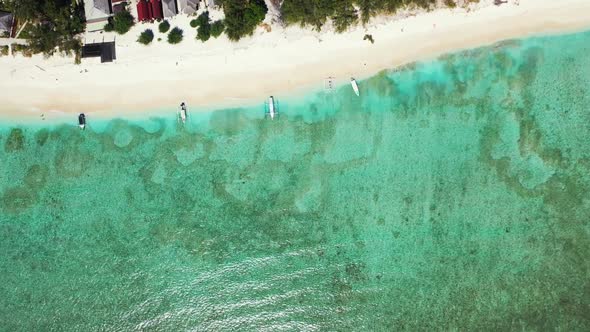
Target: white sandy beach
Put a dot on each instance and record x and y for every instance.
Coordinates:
(280, 62)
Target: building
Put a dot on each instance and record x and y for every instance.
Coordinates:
(156, 9)
(6, 24)
(104, 50)
(143, 11)
(188, 7)
(118, 6)
(149, 10)
(97, 14)
(210, 3)
(169, 8)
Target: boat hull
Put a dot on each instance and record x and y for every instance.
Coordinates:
(182, 112)
(271, 107)
(355, 87)
(82, 121)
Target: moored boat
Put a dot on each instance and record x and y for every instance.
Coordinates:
(82, 121)
(355, 86)
(182, 112)
(272, 112)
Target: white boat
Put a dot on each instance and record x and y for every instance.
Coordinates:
(82, 121)
(355, 86)
(272, 111)
(182, 112)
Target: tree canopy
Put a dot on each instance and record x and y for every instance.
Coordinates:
(54, 24)
(203, 18)
(343, 14)
(242, 17)
(146, 37)
(204, 29)
(204, 32)
(175, 36)
(164, 26)
(122, 22)
(217, 28)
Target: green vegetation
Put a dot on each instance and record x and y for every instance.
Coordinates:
(25, 33)
(4, 50)
(217, 28)
(342, 12)
(369, 38)
(23, 49)
(164, 26)
(450, 3)
(121, 22)
(344, 17)
(109, 27)
(175, 36)
(204, 30)
(53, 25)
(146, 37)
(242, 16)
(203, 18)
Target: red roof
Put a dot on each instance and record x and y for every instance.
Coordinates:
(148, 10)
(143, 13)
(156, 9)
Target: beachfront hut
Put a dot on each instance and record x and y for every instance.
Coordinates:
(97, 14)
(156, 9)
(105, 50)
(118, 6)
(188, 7)
(148, 10)
(143, 13)
(169, 8)
(6, 23)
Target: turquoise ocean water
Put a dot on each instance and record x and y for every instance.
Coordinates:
(453, 194)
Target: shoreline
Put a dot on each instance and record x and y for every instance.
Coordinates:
(284, 62)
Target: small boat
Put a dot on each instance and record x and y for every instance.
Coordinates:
(82, 121)
(272, 110)
(182, 112)
(355, 86)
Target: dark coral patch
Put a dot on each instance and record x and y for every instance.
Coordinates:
(36, 176)
(15, 140)
(72, 163)
(41, 137)
(16, 199)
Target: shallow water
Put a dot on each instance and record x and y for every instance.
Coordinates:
(452, 194)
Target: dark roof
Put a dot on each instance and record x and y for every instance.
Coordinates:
(118, 7)
(6, 20)
(106, 51)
